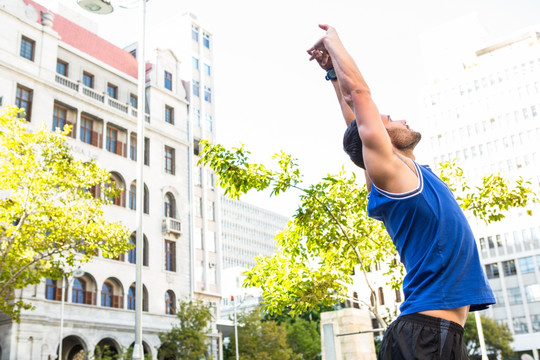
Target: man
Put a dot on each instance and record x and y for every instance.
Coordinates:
(445, 279)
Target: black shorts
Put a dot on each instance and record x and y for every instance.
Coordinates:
(423, 337)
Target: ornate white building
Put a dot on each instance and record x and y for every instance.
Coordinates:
(62, 73)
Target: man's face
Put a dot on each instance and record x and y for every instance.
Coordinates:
(402, 137)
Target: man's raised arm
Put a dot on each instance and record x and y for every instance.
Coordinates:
(385, 168)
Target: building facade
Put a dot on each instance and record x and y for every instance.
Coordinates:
(485, 115)
(248, 231)
(62, 73)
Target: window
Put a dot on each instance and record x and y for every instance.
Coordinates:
(169, 206)
(169, 160)
(133, 100)
(112, 91)
(532, 292)
(79, 293)
(133, 147)
(198, 176)
(169, 115)
(197, 116)
(167, 80)
(492, 271)
(112, 139)
(107, 294)
(514, 296)
(381, 296)
(195, 33)
(61, 67)
(520, 325)
(198, 205)
(207, 94)
(170, 303)
(52, 290)
(89, 134)
(535, 321)
(27, 48)
(212, 210)
(526, 265)
(132, 253)
(509, 267)
(207, 70)
(88, 80)
(23, 100)
(170, 255)
(196, 87)
(118, 184)
(209, 122)
(132, 203)
(206, 40)
(146, 201)
(398, 295)
(131, 298)
(60, 120)
(195, 62)
(146, 151)
(499, 298)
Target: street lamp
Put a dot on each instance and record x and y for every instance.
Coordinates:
(105, 7)
(76, 273)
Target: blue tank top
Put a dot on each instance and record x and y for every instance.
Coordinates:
(435, 244)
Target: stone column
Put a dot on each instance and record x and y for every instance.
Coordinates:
(347, 347)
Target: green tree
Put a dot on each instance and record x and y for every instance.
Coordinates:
(187, 340)
(330, 232)
(49, 221)
(304, 338)
(260, 340)
(497, 338)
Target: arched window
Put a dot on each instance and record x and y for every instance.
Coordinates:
(169, 206)
(146, 199)
(381, 296)
(79, 291)
(131, 298)
(132, 253)
(170, 303)
(107, 294)
(118, 183)
(132, 203)
(133, 198)
(52, 290)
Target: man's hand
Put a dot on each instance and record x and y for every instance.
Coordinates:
(318, 51)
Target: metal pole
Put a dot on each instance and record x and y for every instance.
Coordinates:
(235, 328)
(139, 243)
(61, 318)
(480, 335)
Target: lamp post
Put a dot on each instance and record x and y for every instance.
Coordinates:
(76, 273)
(105, 7)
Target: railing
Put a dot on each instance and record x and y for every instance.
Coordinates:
(93, 94)
(66, 82)
(125, 108)
(118, 105)
(171, 225)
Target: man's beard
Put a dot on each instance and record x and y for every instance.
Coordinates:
(404, 139)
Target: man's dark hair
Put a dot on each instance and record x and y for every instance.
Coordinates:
(352, 144)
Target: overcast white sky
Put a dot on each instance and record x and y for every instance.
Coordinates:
(270, 97)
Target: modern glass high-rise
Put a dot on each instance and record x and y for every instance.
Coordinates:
(486, 116)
